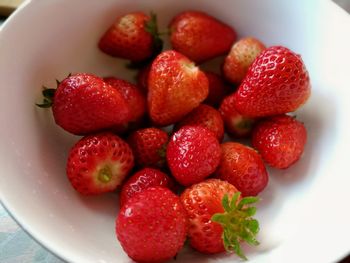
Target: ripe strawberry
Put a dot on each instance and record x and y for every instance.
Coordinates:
(217, 89)
(243, 167)
(99, 163)
(218, 218)
(175, 87)
(151, 226)
(200, 36)
(135, 99)
(133, 36)
(235, 124)
(241, 56)
(193, 153)
(76, 104)
(143, 179)
(277, 82)
(142, 79)
(149, 146)
(280, 140)
(206, 116)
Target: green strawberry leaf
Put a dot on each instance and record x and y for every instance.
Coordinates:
(48, 95)
(237, 223)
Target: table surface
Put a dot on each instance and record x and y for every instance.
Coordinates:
(16, 246)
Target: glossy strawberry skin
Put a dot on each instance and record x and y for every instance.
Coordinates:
(277, 82)
(151, 226)
(280, 140)
(143, 179)
(132, 95)
(201, 201)
(217, 89)
(193, 153)
(99, 163)
(149, 146)
(243, 167)
(175, 87)
(77, 105)
(241, 56)
(236, 125)
(200, 36)
(128, 38)
(207, 117)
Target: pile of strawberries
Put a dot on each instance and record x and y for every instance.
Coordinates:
(186, 182)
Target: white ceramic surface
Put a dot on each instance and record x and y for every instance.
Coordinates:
(304, 212)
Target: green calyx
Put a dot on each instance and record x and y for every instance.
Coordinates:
(245, 124)
(162, 154)
(105, 174)
(152, 27)
(48, 95)
(237, 223)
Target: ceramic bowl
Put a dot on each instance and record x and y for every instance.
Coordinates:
(304, 211)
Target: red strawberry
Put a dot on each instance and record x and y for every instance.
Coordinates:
(133, 36)
(143, 179)
(151, 226)
(206, 116)
(135, 99)
(217, 89)
(193, 154)
(76, 104)
(218, 218)
(243, 167)
(241, 56)
(149, 146)
(277, 82)
(175, 87)
(142, 79)
(235, 124)
(280, 140)
(99, 163)
(200, 36)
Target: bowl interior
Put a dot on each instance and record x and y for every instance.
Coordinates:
(47, 40)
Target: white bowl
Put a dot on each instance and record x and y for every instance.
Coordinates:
(304, 212)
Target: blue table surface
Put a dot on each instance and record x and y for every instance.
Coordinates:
(16, 246)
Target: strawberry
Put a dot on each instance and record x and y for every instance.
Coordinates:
(133, 36)
(193, 153)
(135, 99)
(206, 116)
(76, 104)
(200, 36)
(218, 218)
(241, 56)
(280, 140)
(235, 124)
(142, 78)
(243, 167)
(277, 82)
(99, 163)
(175, 87)
(217, 89)
(143, 179)
(149, 146)
(151, 226)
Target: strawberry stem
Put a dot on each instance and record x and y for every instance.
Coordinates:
(237, 223)
(105, 174)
